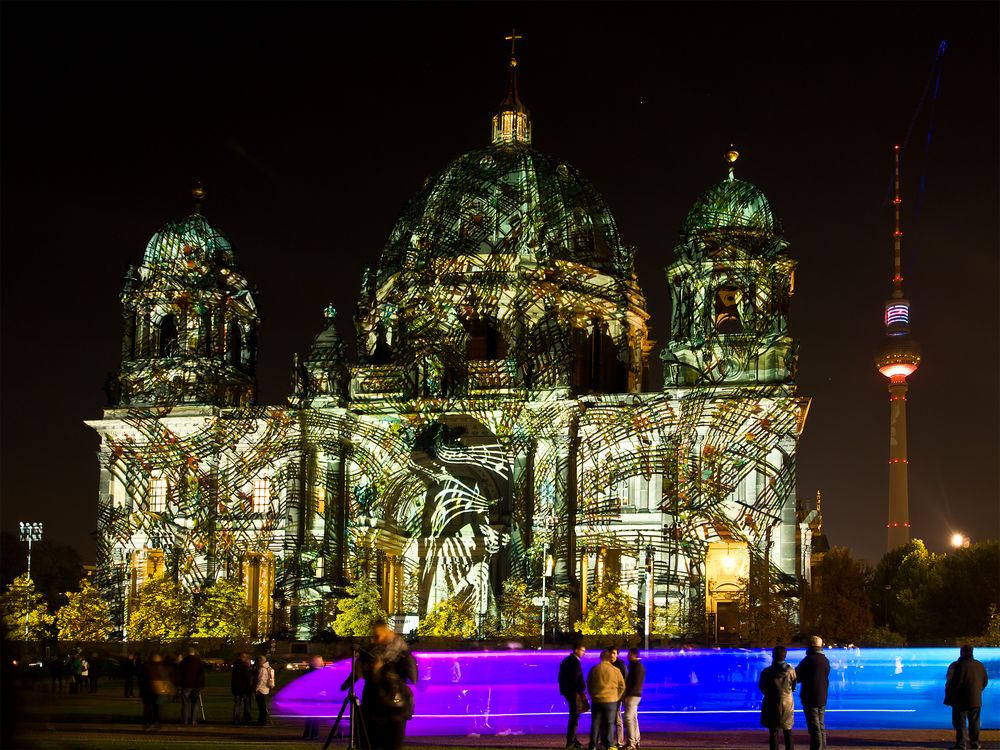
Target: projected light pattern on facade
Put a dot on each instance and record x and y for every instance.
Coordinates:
(498, 406)
(483, 693)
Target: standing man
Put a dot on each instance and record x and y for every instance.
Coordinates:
(633, 694)
(813, 673)
(191, 679)
(388, 669)
(606, 687)
(242, 687)
(963, 691)
(127, 668)
(618, 664)
(571, 688)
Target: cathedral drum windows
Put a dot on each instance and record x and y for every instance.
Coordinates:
(727, 309)
(261, 494)
(158, 490)
(234, 343)
(167, 342)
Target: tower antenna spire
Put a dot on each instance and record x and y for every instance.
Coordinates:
(897, 235)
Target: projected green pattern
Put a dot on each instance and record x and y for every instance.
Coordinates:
(496, 406)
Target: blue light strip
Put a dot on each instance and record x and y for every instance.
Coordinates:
(514, 692)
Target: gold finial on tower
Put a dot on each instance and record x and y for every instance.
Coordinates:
(198, 193)
(731, 156)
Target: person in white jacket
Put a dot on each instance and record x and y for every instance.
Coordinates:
(263, 684)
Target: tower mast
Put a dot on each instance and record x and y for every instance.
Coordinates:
(898, 359)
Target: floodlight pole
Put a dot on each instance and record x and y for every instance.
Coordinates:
(30, 532)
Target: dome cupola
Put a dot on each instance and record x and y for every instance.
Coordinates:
(504, 247)
(511, 123)
(732, 210)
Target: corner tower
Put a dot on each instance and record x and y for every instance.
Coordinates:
(730, 290)
(190, 322)
(898, 359)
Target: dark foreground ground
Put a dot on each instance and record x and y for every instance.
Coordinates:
(51, 721)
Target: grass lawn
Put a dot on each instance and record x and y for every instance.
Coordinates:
(108, 719)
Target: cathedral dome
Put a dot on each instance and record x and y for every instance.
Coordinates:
(505, 255)
(187, 245)
(507, 199)
(731, 215)
(731, 205)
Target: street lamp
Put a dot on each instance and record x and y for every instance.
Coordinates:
(959, 540)
(31, 531)
(548, 567)
(649, 596)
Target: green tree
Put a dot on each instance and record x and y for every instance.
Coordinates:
(84, 616)
(969, 587)
(358, 609)
(450, 618)
(836, 606)
(609, 612)
(518, 617)
(20, 599)
(916, 579)
(55, 568)
(886, 587)
(931, 597)
(163, 611)
(881, 637)
(991, 636)
(223, 612)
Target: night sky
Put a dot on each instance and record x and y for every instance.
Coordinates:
(312, 124)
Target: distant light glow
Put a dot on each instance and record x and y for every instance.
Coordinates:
(515, 692)
(959, 540)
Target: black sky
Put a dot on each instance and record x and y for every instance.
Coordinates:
(311, 124)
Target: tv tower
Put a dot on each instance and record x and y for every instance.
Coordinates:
(898, 359)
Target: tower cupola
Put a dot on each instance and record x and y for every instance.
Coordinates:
(190, 321)
(731, 286)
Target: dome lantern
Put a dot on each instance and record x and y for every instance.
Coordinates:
(511, 123)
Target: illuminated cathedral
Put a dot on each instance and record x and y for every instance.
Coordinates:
(496, 423)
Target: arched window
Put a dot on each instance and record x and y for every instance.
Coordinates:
(727, 309)
(168, 336)
(206, 332)
(250, 349)
(234, 344)
(132, 334)
(485, 341)
(596, 366)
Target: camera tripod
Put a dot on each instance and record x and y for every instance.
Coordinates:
(350, 705)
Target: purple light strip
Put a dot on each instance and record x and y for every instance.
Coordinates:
(514, 692)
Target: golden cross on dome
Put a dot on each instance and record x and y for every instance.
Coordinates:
(514, 36)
